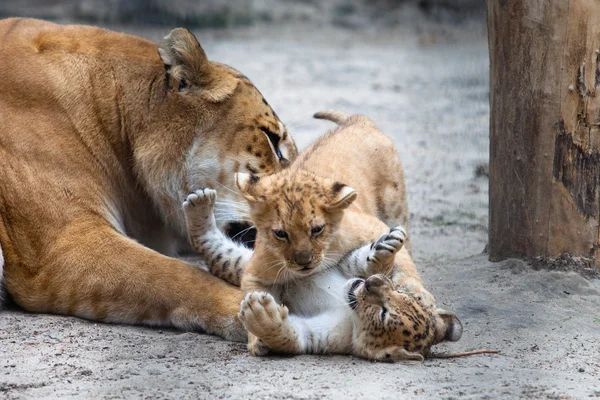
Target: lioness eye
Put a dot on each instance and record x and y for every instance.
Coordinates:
(383, 313)
(317, 230)
(279, 234)
(182, 84)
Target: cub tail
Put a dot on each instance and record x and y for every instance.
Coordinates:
(338, 117)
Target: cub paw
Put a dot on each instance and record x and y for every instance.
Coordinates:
(198, 209)
(264, 318)
(384, 250)
(201, 198)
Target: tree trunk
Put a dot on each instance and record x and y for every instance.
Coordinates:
(544, 127)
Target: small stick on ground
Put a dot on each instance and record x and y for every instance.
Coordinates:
(463, 354)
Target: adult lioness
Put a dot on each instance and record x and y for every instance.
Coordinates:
(102, 136)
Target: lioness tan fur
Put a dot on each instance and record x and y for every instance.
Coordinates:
(103, 135)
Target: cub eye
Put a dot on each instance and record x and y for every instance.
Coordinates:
(279, 234)
(317, 230)
(383, 313)
(182, 85)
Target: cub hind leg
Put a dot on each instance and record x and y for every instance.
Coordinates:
(225, 258)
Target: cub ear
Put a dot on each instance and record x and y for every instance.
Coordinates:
(452, 326)
(343, 196)
(188, 66)
(246, 183)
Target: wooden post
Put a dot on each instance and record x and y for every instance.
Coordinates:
(544, 127)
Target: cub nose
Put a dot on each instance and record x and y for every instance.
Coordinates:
(303, 257)
(374, 282)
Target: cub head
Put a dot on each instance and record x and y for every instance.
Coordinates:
(391, 324)
(206, 122)
(297, 215)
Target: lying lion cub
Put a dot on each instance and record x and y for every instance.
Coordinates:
(306, 224)
(373, 318)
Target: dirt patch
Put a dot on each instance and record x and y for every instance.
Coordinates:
(567, 262)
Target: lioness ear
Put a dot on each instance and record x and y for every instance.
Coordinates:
(452, 325)
(343, 196)
(187, 66)
(245, 183)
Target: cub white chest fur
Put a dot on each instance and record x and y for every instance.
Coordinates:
(316, 294)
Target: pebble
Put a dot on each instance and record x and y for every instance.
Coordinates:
(581, 369)
(54, 335)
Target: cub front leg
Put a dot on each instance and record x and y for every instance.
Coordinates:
(383, 251)
(374, 258)
(225, 258)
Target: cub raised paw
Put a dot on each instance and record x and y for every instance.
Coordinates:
(383, 251)
(268, 322)
(198, 208)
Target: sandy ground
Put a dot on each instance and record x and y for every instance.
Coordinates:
(432, 99)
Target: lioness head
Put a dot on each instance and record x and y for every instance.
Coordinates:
(297, 215)
(391, 324)
(206, 122)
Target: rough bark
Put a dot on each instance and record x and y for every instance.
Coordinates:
(544, 127)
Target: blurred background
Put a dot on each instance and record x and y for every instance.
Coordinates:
(354, 14)
(418, 68)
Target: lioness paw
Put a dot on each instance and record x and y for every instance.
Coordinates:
(385, 248)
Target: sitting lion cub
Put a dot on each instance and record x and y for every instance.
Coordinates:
(307, 224)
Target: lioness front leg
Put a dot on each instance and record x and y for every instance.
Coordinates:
(225, 258)
(105, 276)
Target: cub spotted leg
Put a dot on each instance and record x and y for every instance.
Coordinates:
(388, 256)
(225, 258)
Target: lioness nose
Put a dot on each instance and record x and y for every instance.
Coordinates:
(374, 282)
(303, 257)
